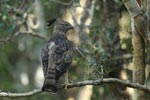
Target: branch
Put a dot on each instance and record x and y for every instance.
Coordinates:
(18, 95)
(79, 84)
(11, 36)
(108, 81)
(33, 35)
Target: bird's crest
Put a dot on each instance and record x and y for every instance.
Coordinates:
(60, 24)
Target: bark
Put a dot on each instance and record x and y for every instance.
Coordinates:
(138, 60)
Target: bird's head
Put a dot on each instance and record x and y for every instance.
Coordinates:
(63, 26)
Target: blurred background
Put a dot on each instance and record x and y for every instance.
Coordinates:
(102, 34)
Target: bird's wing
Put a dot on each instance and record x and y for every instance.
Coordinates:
(47, 56)
(49, 67)
(44, 56)
(64, 60)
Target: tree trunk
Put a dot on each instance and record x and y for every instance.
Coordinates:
(137, 11)
(138, 61)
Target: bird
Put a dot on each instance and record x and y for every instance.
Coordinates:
(56, 55)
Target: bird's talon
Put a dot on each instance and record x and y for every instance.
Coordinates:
(66, 85)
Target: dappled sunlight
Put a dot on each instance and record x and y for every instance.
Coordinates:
(71, 98)
(85, 93)
(125, 30)
(39, 77)
(130, 91)
(24, 79)
(123, 75)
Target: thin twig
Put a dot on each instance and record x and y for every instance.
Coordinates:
(78, 50)
(8, 38)
(11, 36)
(34, 35)
(79, 84)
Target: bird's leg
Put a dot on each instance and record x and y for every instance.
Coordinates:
(66, 80)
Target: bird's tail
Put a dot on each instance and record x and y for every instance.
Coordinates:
(50, 83)
(50, 86)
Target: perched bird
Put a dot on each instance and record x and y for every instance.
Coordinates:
(56, 55)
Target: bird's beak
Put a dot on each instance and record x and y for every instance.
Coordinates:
(71, 27)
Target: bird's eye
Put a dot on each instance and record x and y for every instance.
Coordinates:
(65, 25)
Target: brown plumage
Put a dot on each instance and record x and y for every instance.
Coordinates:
(56, 55)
